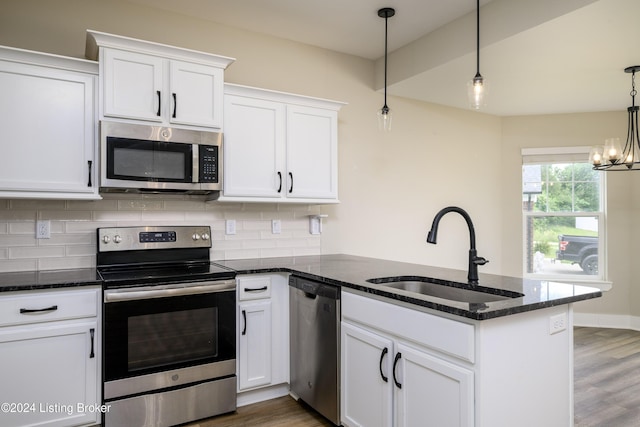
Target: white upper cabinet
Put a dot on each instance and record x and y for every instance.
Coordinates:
(48, 133)
(279, 147)
(157, 83)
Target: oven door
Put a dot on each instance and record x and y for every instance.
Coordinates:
(167, 336)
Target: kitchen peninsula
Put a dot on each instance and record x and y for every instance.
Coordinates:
(472, 361)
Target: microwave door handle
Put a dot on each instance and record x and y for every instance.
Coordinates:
(195, 162)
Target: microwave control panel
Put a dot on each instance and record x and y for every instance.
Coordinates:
(208, 164)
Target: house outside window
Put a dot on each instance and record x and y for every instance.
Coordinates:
(563, 207)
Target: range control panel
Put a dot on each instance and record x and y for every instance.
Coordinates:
(112, 239)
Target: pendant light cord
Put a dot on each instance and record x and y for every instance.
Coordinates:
(386, 20)
(478, 38)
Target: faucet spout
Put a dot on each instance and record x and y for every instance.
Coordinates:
(474, 259)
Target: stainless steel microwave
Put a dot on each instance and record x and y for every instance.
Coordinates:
(154, 159)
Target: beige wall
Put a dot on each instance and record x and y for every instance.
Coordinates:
(391, 185)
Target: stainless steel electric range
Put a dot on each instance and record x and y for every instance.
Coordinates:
(169, 327)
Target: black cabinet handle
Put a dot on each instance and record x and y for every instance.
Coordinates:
(291, 178)
(38, 310)
(90, 165)
(280, 185)
(384, 352)
(395, 362)
(92, 332)
(264, 288)
(159, 102)
(244, 316)
(175, 105)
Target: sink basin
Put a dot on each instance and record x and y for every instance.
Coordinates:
(454, 291)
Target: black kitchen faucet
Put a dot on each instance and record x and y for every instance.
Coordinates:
(474, 259)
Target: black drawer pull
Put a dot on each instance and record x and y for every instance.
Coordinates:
(38, 310)
(264, 288)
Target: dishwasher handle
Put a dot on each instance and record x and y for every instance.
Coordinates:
(313, 289)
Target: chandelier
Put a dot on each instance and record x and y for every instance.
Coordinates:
(612, 156)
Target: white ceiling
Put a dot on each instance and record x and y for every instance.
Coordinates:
(539, 56)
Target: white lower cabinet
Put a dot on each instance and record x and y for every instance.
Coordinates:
(406, 367)
(386, 382)
(263, 337)
(50, 358)
(255, 344)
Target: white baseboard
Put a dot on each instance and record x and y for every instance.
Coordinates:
(616, 321)
(262, 394)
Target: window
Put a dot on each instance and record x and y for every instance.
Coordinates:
(563, 215)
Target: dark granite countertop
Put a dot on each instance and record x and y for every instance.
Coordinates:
(353, 272)
(48, 279)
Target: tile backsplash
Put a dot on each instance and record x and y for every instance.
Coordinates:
(73, 228)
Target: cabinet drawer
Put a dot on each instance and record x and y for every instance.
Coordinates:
(254, 287)
(34, 307)
(445, 335)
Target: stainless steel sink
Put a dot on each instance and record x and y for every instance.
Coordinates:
(454, 291)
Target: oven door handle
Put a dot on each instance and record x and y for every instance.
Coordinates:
(131, 294)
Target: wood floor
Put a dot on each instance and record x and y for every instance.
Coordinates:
(281, 412)
(606, 378)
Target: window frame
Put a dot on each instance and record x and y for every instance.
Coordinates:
(557, 155)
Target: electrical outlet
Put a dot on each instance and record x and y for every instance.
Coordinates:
(557, 323)
(315, 225)
(230, 226)
(43, 229)
(276, 226)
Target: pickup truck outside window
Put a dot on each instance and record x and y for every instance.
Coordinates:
(563, 220)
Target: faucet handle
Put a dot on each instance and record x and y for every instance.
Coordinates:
(480, 260)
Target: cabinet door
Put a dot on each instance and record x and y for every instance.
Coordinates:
(47, 135)
(49, 373)
(133, 85)
(433, 392)
(253, 148)
(196, 94)
(312, 152)
(366, 377)
(255, 344)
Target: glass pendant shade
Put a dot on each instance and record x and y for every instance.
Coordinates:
(477, 90)
(384, 119)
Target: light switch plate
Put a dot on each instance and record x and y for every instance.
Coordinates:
(276, 226)
(230, 226)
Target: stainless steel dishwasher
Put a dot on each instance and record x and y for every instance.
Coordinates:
(315, 345)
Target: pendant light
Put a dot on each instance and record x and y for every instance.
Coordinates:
(384, 114)
(612, 157)
(477, 87)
